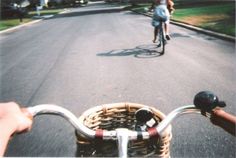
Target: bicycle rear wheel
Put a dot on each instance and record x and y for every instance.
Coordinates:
(162, 40)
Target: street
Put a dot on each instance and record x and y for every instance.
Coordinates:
(102, 54)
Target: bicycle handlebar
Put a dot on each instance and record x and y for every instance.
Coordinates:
(204, 103)
(158, 130)
(57, 110)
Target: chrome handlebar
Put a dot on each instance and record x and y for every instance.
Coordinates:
(204, 103)
(160, 128)
(57, 110)
(121, 135)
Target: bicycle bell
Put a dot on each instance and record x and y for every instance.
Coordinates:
(207, 101)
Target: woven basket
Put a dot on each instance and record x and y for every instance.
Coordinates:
(120, 115)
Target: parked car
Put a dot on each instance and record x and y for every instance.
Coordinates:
(80, 2)
(11, 11)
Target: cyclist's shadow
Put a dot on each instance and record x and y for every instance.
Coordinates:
(142, 51)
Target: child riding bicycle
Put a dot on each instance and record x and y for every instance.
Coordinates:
(162, 11)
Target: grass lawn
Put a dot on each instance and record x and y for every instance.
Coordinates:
(216, 17)
(8, 23)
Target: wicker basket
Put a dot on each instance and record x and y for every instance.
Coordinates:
(120, 115)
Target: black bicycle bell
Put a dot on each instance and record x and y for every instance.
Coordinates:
(207, 101)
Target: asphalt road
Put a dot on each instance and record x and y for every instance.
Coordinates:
(102, 54)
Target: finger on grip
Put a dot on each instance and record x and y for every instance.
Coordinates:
(224, 120)
(26, 112)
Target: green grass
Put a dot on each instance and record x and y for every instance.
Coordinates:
(11, 22)
(8, 23)
(215, 16)
(208, 10)
(218, 17)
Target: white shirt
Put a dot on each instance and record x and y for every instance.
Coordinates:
(163, 2)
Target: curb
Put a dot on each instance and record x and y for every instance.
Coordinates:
(201, 30)
(29, 23)
(208, 32)
(19, 26)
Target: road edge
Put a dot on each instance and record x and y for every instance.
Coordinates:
(31, 22)
(208, 32)
(198, 29)
(19, 26)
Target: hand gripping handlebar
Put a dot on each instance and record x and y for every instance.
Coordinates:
(204, 102)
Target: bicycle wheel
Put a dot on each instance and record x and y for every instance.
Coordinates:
(162, 40)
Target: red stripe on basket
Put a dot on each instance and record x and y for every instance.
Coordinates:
(99, 133)
(153, 132)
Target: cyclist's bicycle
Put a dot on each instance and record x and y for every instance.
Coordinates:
(161, 37)
(138, 129)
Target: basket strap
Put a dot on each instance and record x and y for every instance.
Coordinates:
(139, 135)
(99, 134)
(153, 132)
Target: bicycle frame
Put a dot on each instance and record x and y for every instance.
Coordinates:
(161, 36)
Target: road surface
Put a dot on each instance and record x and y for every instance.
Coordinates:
(102, 54)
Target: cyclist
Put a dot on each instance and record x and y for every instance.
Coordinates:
(12, 120)
(162, 11)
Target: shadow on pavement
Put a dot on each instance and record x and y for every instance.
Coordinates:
(143, 51)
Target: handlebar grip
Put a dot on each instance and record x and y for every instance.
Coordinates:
(224, 120)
